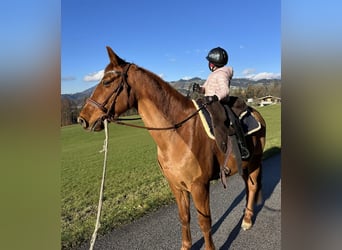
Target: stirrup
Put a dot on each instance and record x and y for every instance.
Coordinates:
(244, 152)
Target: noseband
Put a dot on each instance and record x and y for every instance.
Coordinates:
(115, 93)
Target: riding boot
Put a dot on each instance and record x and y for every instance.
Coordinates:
(235, 122)
(241, 139)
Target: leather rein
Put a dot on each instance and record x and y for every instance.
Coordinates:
(111, 117)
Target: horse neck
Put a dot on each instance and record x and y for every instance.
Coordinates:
(159, 104)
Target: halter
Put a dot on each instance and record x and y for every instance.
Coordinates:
(115, 93)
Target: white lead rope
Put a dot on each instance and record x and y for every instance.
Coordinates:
(105, 149)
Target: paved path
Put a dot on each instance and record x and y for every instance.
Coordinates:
(161, 229)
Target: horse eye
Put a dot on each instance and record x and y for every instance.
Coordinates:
(106, 82)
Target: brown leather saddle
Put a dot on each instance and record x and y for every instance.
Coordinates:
(219, 118)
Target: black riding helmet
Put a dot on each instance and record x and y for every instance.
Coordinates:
(218, 57)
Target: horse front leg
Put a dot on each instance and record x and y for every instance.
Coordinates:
(200, 195)
(183, 203)
(251, 181)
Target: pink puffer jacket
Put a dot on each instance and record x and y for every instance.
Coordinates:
(218, 82)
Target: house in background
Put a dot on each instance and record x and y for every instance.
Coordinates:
(267, 100)
(264, 101)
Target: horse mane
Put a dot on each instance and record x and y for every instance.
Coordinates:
(169, 100)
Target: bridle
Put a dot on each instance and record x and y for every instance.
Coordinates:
(115, 93)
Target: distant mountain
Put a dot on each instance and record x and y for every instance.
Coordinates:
(71, 104)
(184, 85)
(244, 82)
(79, 98)
(181, 85)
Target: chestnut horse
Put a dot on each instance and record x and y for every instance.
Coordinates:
(188, 158)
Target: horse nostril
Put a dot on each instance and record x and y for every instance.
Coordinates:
(82, 122)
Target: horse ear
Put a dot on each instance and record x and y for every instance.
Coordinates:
(114, 58)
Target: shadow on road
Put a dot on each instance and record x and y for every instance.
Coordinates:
(271, 175)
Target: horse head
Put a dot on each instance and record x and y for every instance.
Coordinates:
(111, 97)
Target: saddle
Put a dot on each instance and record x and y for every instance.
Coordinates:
(218, 120)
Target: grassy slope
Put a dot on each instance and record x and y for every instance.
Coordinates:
(272, 116)
(134, 184)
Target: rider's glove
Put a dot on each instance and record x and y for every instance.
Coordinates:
(211, 99)
(196, 87)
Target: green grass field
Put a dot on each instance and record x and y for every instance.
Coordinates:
(134, 184)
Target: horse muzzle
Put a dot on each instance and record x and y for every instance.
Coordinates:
(98, 125)
(82, 122)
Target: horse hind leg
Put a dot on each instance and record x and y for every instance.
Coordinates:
(183, 203)
(252, 176)
(252, 182)
(200, 195)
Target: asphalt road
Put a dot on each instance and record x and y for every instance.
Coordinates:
(161, 229)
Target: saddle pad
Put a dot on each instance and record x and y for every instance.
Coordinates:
(206, 121)
(248, 122)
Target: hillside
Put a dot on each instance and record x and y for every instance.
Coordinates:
(181, 85)
(72, 103)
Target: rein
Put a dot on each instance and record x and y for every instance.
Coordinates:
(177, 125)
(111, 117)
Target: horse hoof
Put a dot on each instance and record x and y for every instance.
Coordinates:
(246, 225)
(185, 248)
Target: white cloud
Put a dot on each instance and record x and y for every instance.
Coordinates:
(250, 74)
(265, 75)
(186, 77)
(94, 77)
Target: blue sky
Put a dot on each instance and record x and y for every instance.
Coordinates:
(170, 38)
